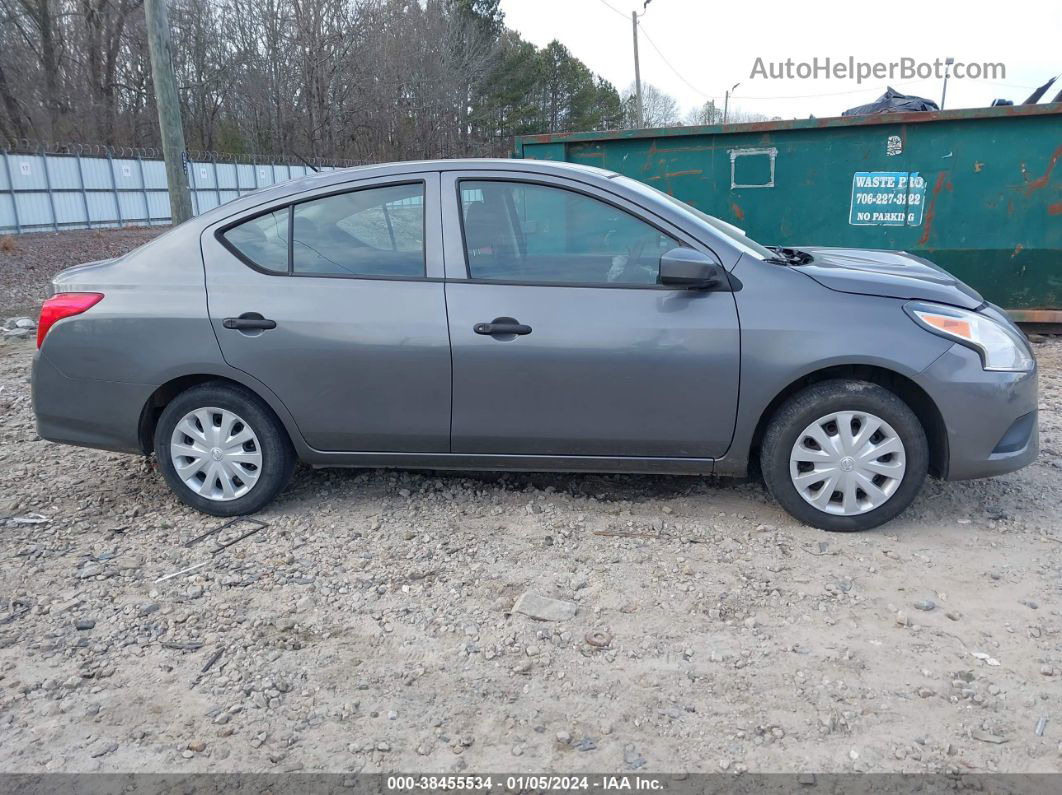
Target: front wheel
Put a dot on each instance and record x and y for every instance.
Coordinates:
(844, 455)
(222, 450)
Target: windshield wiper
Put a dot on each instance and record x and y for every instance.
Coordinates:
(789, 256)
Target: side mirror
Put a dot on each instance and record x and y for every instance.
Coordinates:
(685, 267)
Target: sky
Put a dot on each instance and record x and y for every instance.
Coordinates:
(695, 50)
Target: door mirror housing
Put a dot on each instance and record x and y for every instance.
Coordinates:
(694, 270)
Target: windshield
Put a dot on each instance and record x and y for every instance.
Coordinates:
(734, 236)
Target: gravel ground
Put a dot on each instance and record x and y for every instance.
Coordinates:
(28, 262)
(371, 625)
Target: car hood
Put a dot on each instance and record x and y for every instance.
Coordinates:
(893, 274)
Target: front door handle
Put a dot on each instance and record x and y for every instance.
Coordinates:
(249, 321)
(501, 327)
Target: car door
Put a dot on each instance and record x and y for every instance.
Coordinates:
(562, 341)
(335, 302)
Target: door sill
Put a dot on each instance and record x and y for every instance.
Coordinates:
(515, 463)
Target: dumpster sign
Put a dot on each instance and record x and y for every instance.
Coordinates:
(887, 198)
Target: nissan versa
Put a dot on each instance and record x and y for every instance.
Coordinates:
(510, 314)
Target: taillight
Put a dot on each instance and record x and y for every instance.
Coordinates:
(63, 305)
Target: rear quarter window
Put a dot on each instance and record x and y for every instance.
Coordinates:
(263, 240)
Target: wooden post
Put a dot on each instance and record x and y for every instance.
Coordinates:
(157, 20)
(637, 73)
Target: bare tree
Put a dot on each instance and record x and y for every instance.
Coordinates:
(659, 109)
(738, 116)
(708, 113)
(358, 79)
(102, 33)
(37, 46)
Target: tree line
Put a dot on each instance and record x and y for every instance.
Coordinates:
(365, 80)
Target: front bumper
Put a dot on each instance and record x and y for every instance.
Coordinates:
(989, 417)
(87, 412)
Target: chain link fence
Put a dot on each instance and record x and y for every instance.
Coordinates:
(78, 186)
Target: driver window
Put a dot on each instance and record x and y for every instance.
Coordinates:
(517, 231)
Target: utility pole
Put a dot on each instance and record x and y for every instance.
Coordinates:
(726, 100)
(637, 70)
(947, 68)
(156, 18)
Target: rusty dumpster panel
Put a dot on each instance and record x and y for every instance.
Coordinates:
(978, 191)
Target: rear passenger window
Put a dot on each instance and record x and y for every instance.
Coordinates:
(263, 240)
(368, 232)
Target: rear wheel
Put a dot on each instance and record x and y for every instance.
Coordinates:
(844, 455)
(222, 450)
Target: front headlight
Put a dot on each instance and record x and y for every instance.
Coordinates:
(1001, 347)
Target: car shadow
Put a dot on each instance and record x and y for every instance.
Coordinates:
(601, 487)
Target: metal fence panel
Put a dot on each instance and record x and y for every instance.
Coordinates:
(68, 208)
(52, 191)
(226, 175)
(97, 173)
(7, 210)
(246, 176)
(202, 174)
(27, 172)
(205, 201)
(35, 206)
(159, 204)
(126, 175)
(102, 209)
(155, 174)
(62, 172)
(132, 205)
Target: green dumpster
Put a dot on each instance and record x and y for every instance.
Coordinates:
(975, 191)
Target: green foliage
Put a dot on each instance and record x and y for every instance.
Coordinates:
(487, 14)
(532, 90)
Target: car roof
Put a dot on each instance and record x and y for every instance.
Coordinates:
(474, 163)
(338, 176)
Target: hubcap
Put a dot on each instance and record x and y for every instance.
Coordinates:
(216, 454)
(847, 463)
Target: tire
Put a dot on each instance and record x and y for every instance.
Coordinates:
(247, 452)
(892, 480)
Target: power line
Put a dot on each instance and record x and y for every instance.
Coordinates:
(994, 83)
(834, 93)
(669, 66)
(785, 96)
(613, 9)
(865, 89)
(716, 96)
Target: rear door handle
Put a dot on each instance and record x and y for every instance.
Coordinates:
(501, 326)
(249, 321)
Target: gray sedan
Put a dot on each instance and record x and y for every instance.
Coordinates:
(521, 315)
